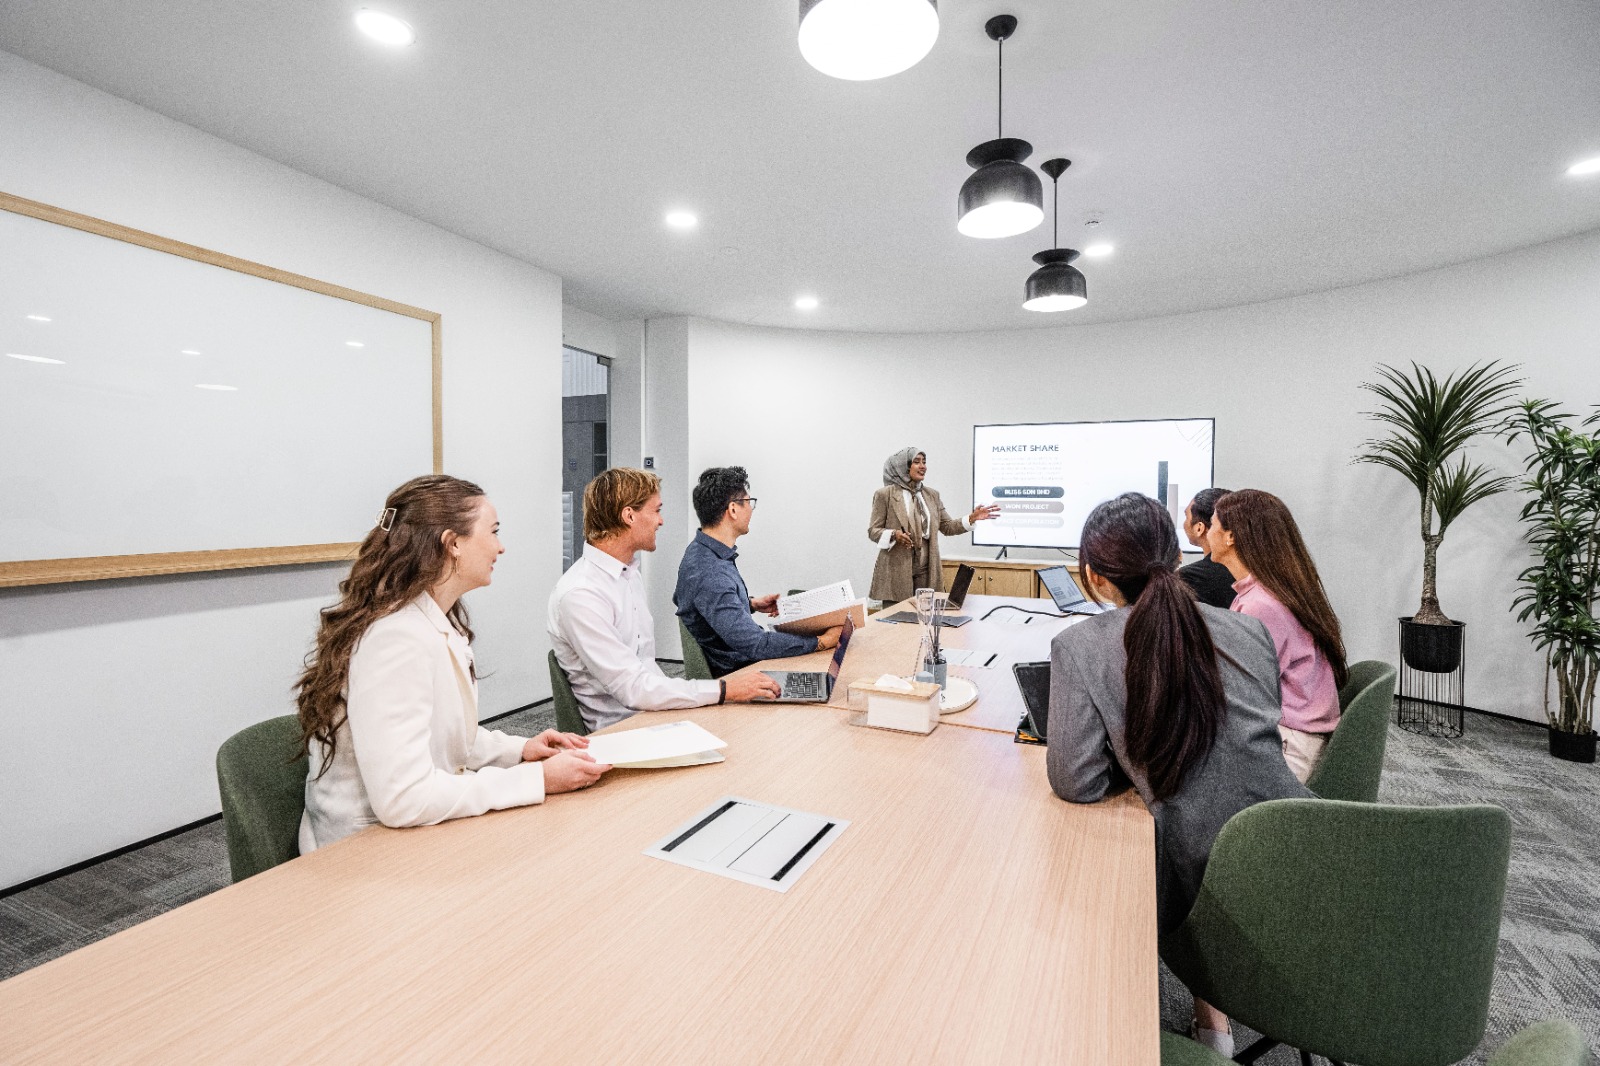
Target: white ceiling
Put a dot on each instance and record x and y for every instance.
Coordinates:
(1236, 150)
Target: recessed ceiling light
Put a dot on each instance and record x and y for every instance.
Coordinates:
(219, 388)
(36, 359)
(682, 220)
(354, 344)
(1098, 251)
(190, 351)
(1584, 167)
(385, 28)
(37, 318)
(806, 303)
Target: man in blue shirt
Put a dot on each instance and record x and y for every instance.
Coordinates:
(711, 597)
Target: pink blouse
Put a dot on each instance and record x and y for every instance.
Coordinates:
(1310, 698)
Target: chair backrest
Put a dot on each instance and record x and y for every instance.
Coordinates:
(695, 666)
(262, 780)
(1547, 1043)
(1352, 764)
(568, 718)
(1357, 931)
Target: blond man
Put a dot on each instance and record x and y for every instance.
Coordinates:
(600, 624)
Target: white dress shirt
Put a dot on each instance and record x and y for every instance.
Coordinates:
(411, 751)
(604, 638)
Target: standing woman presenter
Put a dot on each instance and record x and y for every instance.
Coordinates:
(389, 698)
(907, 518)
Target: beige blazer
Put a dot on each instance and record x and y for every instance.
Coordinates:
(411, 751)
(892, 572)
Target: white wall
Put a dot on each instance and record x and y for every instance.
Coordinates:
(813, 416)
(590, 332)
(115, 695)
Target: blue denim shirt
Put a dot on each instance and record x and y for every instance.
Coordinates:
(714, 606)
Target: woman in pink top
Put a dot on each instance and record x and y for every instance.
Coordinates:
(1253, 534)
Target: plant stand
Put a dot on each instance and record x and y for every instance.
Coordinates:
(1431, 703)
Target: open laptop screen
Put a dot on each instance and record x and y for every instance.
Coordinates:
(844, 641)
(1058, 582)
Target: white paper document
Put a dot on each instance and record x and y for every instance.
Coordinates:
(672, 744)
(969, 657)
(752, 842)
(817, 601)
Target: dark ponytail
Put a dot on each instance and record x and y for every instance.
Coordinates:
(1175, 701)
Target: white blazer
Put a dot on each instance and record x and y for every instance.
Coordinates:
(411, 751)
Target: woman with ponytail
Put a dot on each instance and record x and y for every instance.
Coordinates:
(389, 698)
(1176, 698)
(1253, 534)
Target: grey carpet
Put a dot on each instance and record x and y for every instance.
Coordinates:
(1549, 962)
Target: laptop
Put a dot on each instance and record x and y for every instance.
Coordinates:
(1033, 681)
(958, 595)
(813, 686)
(1069, 599)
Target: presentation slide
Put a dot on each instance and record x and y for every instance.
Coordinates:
(1047, 477)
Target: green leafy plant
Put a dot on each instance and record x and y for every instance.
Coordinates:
(1559, 592)
(1430, 424)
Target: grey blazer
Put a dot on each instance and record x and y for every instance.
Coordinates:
(1088, 752)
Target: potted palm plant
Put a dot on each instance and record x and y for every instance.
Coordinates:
(1559, 592)
(1430, 424)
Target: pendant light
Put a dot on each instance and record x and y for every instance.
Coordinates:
(1057, 285)
(1003, 198)
(859, 40)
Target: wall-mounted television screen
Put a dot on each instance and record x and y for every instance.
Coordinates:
(1047, 477)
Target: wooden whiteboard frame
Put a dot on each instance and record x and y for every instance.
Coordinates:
(103, 567)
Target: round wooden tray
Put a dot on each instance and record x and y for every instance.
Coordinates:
(958, 694)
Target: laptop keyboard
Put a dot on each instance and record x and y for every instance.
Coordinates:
(804, 687)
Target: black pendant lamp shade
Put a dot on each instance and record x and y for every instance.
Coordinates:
(1002, 198)
(1057, 285)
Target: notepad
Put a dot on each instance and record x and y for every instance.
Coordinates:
(749, 841)
(673, 744)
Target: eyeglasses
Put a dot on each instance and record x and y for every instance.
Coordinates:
(751, 500)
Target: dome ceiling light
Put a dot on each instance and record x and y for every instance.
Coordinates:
(861, 40)
(1002, 198)
(1057, 285)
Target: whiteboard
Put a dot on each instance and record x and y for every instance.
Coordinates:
(158, 400)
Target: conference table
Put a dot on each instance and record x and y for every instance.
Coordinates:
(964, 915)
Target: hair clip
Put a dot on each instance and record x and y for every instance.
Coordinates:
(385, 520)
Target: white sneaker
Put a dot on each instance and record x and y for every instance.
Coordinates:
(1221, 1043)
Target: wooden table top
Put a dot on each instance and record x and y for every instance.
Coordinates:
(965, 915)
(891, 648)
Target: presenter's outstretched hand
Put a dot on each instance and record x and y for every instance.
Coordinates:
(551, 742)
(983, 512)
(766, 604)
(744, 687)
(570, 771)
(829, 638)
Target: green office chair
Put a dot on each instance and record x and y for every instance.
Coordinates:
(1181, 1051)
(1546, 1043)
(1356, 931)
(262, 779)
(568, 718)
(695, 666)
(1352, 764)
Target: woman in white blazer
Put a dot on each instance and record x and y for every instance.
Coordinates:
(389, 699)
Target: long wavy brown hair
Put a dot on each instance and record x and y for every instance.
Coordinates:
(1176, 704)
(1271, 548)
(394, 566)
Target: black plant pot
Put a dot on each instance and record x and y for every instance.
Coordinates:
(1573, 747)
(1433, 649)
